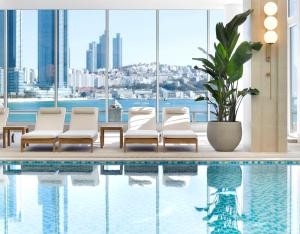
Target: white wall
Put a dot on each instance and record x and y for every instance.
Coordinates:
(114, 4)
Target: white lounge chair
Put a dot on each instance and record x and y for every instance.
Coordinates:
(176, 127)
(83, 127)
(48, 126)
(3, 118)
(141, 127)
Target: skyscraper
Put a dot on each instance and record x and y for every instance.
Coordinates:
(91, 57)
(117, 51)
(101, 61)
(63, 49)
(46, 48)
(1, 38)
(15, 82)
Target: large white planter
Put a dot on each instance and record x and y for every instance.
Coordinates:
(224, 136)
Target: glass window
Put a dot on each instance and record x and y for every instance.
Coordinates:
(1, 57)
(181, 33)
(81, 71)
(292, 7)
(132, 73)
(293, 78)
(215, 16)
(30, 83)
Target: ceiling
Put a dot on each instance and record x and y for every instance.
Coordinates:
(115, 4)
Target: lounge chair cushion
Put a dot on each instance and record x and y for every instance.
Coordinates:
(176, 118)
(179, 134)
(50, 111)
(85, 110)
(50, 119)
(141, 134)
(3, 117)
(141, 110)
(84, 119)
(177, 110)
(41, 134)
(74, 134)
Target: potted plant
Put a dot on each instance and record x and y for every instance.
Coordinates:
(225, 69)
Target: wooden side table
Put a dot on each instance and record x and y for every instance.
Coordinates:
(8, 129)
(111, 128)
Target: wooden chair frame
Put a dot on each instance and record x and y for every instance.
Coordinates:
(26, 141)
(167, 140)
(89, 141)
(140, 141)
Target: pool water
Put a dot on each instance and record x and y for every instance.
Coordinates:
(168, 198)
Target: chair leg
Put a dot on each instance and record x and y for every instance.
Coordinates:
(92, 147)
(125, 146)
(54, 147)
(157, 145)
(22, 146)
(164, 145)
(59, 147)
(196, 146)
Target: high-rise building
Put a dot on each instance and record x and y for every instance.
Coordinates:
(1, 38)
(14, 73)
(101, 46)
(91, 57)
(63, 49)
(46, 48)
(117, 51)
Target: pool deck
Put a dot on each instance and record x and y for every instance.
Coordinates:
(112, 152)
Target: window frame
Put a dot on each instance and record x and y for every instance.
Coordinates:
(56, 96)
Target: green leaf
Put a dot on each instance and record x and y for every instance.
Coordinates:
(253, 91)
(201, 98)
(232, 42)
(237, 75)
(241, 55)
(237, 21)
(221, 34)
(256, 45)
(250, 91)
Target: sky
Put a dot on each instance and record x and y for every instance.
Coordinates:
(181, 32)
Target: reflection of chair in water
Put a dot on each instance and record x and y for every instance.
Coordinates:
(3, 178)
(51, 179)
(65, 169)
(86, 179)
(141, 175)
(178, 176)
(111, 169)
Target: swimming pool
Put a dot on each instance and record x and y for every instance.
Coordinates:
(215, 197)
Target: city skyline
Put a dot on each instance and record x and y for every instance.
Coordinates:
(96, 53)
(138, 27)
(132, 80)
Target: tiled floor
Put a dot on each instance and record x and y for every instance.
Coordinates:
(112, 152)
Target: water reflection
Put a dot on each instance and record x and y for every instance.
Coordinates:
(149, 199)
(223, 212)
